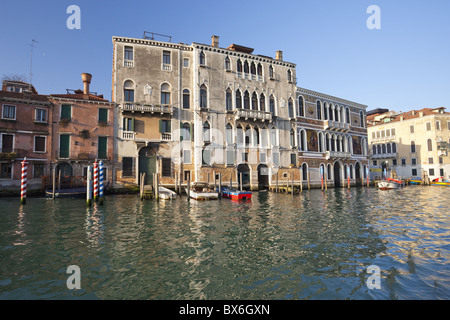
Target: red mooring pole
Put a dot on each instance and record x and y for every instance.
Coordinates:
(23, 184)
(95, 180)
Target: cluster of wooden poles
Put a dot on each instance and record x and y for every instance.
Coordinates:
(98, 184)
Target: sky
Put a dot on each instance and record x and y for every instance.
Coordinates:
(402, 66)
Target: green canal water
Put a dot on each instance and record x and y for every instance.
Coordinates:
(316, 245)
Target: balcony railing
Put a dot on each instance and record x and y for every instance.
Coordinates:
(135, 107)
(384, 155)
(128, 135)
(8, 153)
(250, 76)
(166, 67)
(384, 139)
(338, 155)
(166, 136)
(253, 114)
(336, 126)
(128, 63)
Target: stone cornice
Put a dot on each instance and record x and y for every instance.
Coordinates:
(330, 98)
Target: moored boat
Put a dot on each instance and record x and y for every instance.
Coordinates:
(67, 193)
(441, 182)
(389, 184)
(166, 194)
(201, 191)
(236, 194)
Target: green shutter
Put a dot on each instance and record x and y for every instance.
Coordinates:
(102, 115)
(192, 132)
(64, 145)
(169, 126)
(132, 124)
(66, 112)
(102, 147)
(160, 126)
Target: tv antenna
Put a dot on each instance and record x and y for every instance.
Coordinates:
(31, 59)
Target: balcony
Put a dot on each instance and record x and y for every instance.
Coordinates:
(8, 154)
(336, 126)
(250, 76)
(135, 107)
(384, 155)
(128, 135)
(128, 63)
(166, 136)
(166, 67)
(253, 115)
(383, 139)
(338, 155)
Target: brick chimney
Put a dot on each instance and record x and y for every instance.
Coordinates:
(215, 41)
(279, 55)
(86, 77)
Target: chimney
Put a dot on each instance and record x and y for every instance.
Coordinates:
(279, 55)
(86, 77)
(215, 41)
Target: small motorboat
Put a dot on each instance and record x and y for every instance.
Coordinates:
(236, 194)
(67, 193)
(389, 184)
(441, 182)
(201, 191)
(166, 194)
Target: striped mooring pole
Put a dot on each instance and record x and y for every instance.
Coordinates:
(23, 184)
(100, 184)
(96, 181)
(89, 186)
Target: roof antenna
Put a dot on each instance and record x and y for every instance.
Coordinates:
(31, 60)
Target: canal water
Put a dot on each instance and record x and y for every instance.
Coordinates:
(316, 245)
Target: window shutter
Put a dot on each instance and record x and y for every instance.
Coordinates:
(168, 128)
(192, 132)
(64, 146)
(102, 149)
(132, 124)
(160, 126)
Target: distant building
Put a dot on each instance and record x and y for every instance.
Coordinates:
(25, 132)
(83, 132)
(192, 111)
(413, 143)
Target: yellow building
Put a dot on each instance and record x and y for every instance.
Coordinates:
(412, 144)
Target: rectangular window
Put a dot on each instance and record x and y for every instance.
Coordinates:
(103, 115)
(413, 161)
(128, 95)
(431, 172)
(428, 125)
(9, 112)
(128, 124)
(186, 62)
(187, 156)
(164, 126)
(441, 172)
(166, 164)
(64, 146)
(441, 160)
(448, 125)
(374, 162)
(230, 157)
(186, 99)
(40, 115)
(38, 170)
(187, 175)
(166, 57)
(6, 170)
(66, 112)
(39, 144)
(411, 129)
(206, 157)
(392, 132)
(403, 161)
(293, 159)
(102, 147)
(128, 53)
(276, 158)
(414, 172)
(394, 162)
(430, 160)
(127, 167)
(378, 134)
(438, 125)
(7, 143)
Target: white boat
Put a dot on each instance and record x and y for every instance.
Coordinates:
(166, 194)
(201, 191)
(389, 184)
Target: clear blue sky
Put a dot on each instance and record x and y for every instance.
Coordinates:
(403, 66)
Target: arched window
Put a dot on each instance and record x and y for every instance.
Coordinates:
(320, 142)
(389, 148)
(291, 108)
(383, 148)
(206, 132)
(227, 63)
(253, 68)
(246, 100)
(240, 135)
(256, 136)
(273, 137)
(270, 72)
(260, 70)
(272, 104)
(229, 133)
(238, 99)
(361, 119)
(289, 75)
(302, 140)
(374, 149)
(345, 171)
(331, 112)
(347, 115)
(239, 65)
(379, 149)
(292, 138)
(186, 132)
(165, 93)
(228, 100)
(202, 58)
(248, 135)
(246, 67)
(394, 147)
(336, 113)
(301, 107)
(319, 110)
(304, 172)
(203, 96)
(186, 99)
(262, 102)
(128, 91)
(254, 101)
(325, 111)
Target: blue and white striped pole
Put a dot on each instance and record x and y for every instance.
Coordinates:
(101, 182)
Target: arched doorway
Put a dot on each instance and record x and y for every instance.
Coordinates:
(263, 176)
(245, 170)
(147, 163)
(337, 175)
(65, 173)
